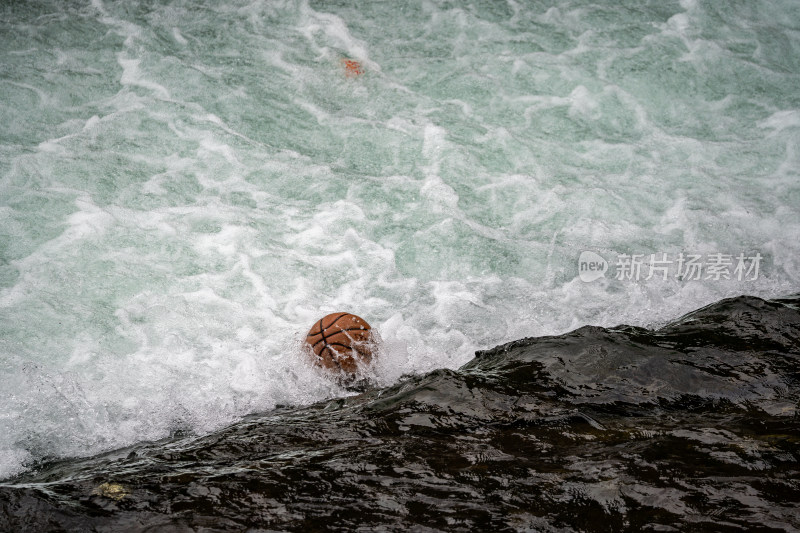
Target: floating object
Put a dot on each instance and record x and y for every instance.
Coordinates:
(114, 491)
(341, 341)
(352, 68)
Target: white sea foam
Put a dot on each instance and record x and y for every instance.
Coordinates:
(180, 39)
(203, 201)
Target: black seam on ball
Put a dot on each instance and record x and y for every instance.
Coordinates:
(331, 357)
(335, 320)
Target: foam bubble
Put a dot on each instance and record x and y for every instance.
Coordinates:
(13, 462)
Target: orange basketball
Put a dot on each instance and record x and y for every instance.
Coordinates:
(352, 68)
(341, 341)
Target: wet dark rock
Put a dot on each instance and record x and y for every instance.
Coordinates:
(693, 427)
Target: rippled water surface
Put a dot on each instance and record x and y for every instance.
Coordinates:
(186, 187)
(692, 427)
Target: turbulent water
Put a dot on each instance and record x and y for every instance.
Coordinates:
(691, 427)
(186, 187)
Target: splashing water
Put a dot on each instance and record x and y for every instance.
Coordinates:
(185, 188)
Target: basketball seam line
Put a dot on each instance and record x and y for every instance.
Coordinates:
(322, 332)
(325, 338)
(332, 358)
(335, 320)
(342, 345)
(354, 348)
(322, 329)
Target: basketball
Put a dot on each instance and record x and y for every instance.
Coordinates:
(341, 341)
(352, 68)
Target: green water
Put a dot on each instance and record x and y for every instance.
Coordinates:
(186, 187)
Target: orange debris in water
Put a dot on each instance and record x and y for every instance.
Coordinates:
(352, 68)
